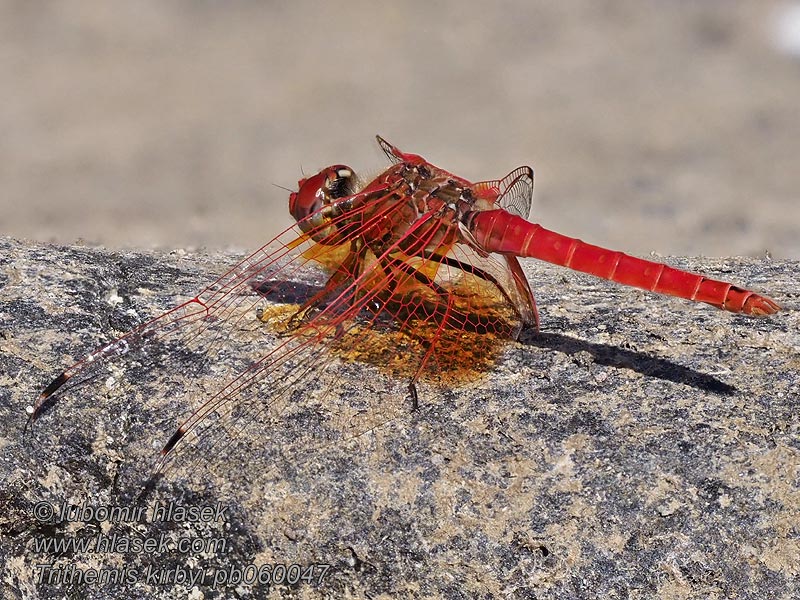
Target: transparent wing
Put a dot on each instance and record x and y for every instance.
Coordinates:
(271, 329)
(514, 192)
(273, 325)
(440, 316)
(391, 152)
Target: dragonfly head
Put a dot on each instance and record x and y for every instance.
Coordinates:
(309, 204)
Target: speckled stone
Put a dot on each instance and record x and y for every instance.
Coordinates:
(638, 446)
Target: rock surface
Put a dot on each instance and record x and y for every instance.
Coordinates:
(637, 447)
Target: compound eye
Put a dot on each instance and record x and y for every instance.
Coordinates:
(337, 183)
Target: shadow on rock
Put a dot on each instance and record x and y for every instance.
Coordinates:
(621, 358)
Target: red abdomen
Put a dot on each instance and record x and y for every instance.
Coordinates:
(500, 231)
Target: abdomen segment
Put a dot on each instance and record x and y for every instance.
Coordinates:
(500, 231)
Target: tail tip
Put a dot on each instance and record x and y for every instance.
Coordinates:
(761, 306)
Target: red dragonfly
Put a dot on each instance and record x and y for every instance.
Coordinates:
(416, 254)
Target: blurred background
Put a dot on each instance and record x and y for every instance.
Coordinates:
(652, 125)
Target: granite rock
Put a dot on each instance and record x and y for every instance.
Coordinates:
(638, 446)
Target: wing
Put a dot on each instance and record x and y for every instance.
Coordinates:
(269, 328)
(514, 192)
(397, 156)
(278, 329)
(403, 317)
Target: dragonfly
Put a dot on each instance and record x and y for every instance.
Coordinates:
(422, 276)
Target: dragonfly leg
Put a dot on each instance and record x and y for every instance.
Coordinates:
(412, 392)
(345, 273)
(392, 265)
(519, 279)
